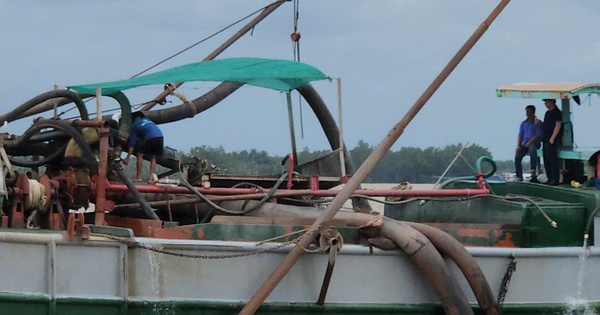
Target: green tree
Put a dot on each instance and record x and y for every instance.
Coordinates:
(407, 164)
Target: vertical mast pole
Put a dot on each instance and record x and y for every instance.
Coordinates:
(288, 262)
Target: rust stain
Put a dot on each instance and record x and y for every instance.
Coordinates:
(180, 232)
(200, 233)
(483, 233)
(140, 227)
(507, 242)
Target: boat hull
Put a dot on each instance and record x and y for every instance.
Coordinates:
(44, 274)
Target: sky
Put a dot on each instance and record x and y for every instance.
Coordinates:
(386, 53)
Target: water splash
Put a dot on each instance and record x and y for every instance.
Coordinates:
(580, 305)
(580, 276)
(157, 277)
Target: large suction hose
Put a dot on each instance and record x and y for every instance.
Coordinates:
(430, 263)
(18, 111)
(68, 129)
(415, 245)
(449, 246)
(146, 209)
(57, 155)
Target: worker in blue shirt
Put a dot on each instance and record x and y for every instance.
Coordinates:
(528, 142)
(149, 140)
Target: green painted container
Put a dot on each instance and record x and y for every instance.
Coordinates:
(523, 210)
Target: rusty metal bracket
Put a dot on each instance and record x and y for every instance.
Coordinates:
(331, 240)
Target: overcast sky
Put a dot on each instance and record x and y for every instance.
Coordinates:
(386, 52)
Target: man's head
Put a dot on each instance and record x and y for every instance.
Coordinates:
(137, 115)
(550, 103)
(530, 111)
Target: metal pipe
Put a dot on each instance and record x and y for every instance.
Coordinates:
(294, 159)
(269, 285)
(339, 91)
(79, 123)
(101, 180)
(268, 10)
(291, 164)
(153, 189)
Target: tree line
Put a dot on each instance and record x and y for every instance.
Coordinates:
(407, 164)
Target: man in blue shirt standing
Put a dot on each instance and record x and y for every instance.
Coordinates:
(528, 142)
(149, 139)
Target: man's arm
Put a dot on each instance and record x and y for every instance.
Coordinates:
(132, 141)
(555, 132)
(520, 137)
(532, 140)
(129, 153)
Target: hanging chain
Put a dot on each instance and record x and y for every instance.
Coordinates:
(512, 267)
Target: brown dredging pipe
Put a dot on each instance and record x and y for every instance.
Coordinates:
(269, 285)
(42, 104)
(453, 249)
(436, 270)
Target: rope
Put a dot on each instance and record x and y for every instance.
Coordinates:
(281, 236)
(173, 91)
(36, 199)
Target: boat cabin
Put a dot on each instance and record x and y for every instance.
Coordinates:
(577, 163)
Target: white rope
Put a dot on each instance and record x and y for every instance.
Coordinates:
(37, 197)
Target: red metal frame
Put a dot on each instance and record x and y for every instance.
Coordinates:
(318, 193)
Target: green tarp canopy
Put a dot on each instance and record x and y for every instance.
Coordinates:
(280, 75)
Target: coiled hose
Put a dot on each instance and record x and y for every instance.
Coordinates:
(478, 167)
(69, 130)
(57, 155)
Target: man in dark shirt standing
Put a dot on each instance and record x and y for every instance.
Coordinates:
(528, 142)
(552, 130)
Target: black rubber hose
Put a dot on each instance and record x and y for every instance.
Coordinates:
(194, 107)
(268, 196)
(69, 130)
(19, 110)
(332, 133)
(48, 136)
(147, 210)
(57, 155)
(88, 154)
(125, 105)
